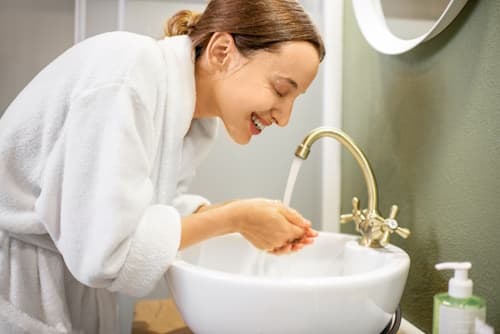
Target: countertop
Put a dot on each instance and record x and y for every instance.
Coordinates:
(158, 316)
(162, 317)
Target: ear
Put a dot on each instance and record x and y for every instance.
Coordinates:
(221, 52)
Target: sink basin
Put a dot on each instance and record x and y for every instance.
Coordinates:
(226, 286)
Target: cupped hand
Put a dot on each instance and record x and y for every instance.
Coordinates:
(298, 244)
(270, 225)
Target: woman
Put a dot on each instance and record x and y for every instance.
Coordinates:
(96, 154)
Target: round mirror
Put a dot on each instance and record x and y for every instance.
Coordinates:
(397, 26)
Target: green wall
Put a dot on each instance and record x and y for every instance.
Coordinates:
(429, 123)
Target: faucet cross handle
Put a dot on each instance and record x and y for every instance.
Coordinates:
(356, 214)
(393, 225)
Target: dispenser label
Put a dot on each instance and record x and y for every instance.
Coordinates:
(458, 321)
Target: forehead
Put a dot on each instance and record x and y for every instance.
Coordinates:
(298, 61)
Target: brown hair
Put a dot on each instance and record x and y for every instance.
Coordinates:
(254, 25)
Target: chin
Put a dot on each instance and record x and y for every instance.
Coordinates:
(241, 141)
(238, 138)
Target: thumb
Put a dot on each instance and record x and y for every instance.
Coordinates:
(294, 217)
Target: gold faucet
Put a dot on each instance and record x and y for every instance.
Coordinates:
(374, 229)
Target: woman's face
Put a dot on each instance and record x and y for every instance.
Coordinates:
(249, 94)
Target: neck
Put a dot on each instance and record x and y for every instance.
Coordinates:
(204, 103)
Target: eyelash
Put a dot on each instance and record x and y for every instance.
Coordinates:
(278, 93)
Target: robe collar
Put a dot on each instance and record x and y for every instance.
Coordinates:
(178, 123)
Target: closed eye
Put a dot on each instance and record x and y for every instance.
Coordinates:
(278, 93)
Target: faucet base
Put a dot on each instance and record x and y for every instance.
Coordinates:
(372, 243)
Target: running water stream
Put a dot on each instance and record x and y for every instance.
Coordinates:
(260, 265)
(292, 176)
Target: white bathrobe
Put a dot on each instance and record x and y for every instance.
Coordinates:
(95, 157)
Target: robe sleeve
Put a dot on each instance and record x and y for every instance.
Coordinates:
(96, 194)
(187, 203)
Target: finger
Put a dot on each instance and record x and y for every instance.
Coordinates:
(311, 233)
(294, 217)
(297, 247)
(282, 248)
(296, 240)
(274, 249)
(297, 233)
(306, 241)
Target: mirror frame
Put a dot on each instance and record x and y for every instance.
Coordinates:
(371, 21)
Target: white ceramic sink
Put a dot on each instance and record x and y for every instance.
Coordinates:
(226, 286)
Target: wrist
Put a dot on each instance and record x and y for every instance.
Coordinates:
(227, 219)
(205, 225)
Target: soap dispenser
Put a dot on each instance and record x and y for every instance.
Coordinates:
(455, 311)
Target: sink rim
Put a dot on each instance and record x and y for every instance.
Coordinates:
(400, 262)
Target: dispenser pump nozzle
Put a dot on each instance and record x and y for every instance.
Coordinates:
(460, 286)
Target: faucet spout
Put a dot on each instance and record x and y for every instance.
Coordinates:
(374, 229)
(305, 147)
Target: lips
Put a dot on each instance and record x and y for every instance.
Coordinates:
(253, 129)
(257, 124)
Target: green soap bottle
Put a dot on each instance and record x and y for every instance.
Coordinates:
(455, 311)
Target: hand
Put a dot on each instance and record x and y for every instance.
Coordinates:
(270, 225)
(298, 244)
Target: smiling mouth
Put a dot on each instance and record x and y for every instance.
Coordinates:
(258, 124)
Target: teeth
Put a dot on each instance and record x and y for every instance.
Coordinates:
(257, 123)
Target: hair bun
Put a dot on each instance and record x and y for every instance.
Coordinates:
(182, 23)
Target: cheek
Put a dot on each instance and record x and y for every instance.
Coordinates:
(241, 100)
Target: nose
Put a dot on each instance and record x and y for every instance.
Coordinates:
(281, 114)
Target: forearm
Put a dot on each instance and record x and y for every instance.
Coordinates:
(267, 224)
(205, 224)
(206, 207)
